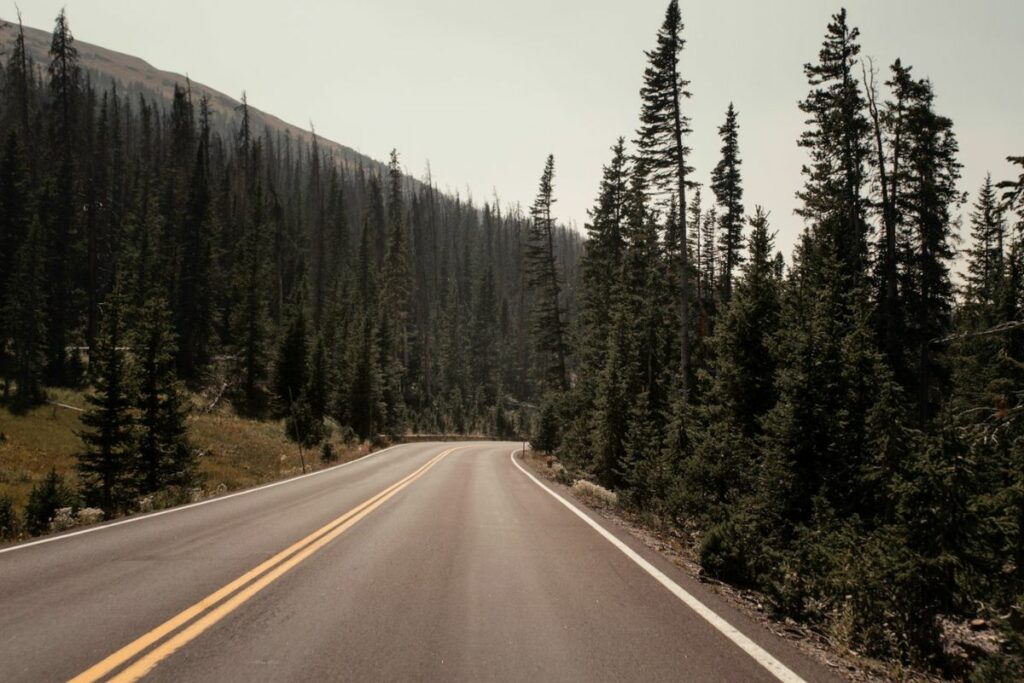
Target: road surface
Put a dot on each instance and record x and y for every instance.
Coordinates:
(420, 562)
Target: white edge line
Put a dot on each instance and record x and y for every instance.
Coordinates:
(760, 655)
(179, 508)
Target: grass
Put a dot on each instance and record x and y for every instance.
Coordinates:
(594, 494)
(234, 452)
(43, 438)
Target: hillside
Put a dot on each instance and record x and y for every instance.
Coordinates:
(161, 241)
(137, 76)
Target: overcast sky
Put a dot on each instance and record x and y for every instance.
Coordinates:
(484, 89)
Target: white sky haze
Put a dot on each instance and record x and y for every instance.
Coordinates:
(484, 90)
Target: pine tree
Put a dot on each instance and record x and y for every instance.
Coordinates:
(718, 471)
(745, 367)
(836, 140)
(927, 200)
(248, 319)
(727, 185)
(65, 86)
(44, 500)
(483, 337)
(164, 457)
(662, 150)
(18, 83)
(545, 285)
(291, 372)
(986, 258)
(196, 274)
(317, 384)
(106, 463)
(24, 320)
(366, 408)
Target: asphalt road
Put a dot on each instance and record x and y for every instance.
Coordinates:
(417, 563)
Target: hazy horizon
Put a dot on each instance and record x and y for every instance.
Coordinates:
(483, 93)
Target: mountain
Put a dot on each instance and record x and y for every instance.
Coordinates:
(137, 76)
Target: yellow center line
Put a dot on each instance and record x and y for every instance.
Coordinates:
(274, 568)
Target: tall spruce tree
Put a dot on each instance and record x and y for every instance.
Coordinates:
(291, 370)
(164, 456)
(927, 201)
(986, 266)
(107, 462)
(65, 87)
(727, 185)
(24, 322)
(837, 144)
(545, 284)
(662, 150)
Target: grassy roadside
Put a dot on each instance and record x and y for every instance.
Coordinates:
(234, 452)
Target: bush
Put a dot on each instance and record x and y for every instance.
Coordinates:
(723, 554)
(547, 436)
(327, 454)
(302, 426)
(46, 498)
(10, 526)
(594, 494)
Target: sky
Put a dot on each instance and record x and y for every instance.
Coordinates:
(483, 90)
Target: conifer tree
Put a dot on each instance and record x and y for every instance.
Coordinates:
(18, 83)
(986, 264)
(707, 263)
(164, 455)
(44, 500)
(65, 85)
(727, 185)
(196, 275)
(836, 140)
(545, 284)
(291, 371)
(719, 473)
(927, 200)
(317, 385)
(106, 464)
(662, 149)
(483, 340)
(602, 262)
(744, 374)
(23, 319)
(248, 319)
(366, 407)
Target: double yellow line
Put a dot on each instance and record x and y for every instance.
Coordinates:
(222, 602)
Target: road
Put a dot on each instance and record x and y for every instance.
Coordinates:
(423, 561)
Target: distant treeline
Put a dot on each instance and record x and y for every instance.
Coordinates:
(142, 250)
(845, 433)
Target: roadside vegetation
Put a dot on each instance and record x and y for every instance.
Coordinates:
(841, 430)
(39, 473)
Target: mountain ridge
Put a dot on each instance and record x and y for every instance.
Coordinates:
(132, 72)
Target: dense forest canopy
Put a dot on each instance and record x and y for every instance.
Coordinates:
(842, 432)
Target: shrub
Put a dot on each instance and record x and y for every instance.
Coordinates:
(10, 526)
(46, 498)
(723, 554)
(89, 516)
(546, 436)
(594, 494)
(302, 425)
